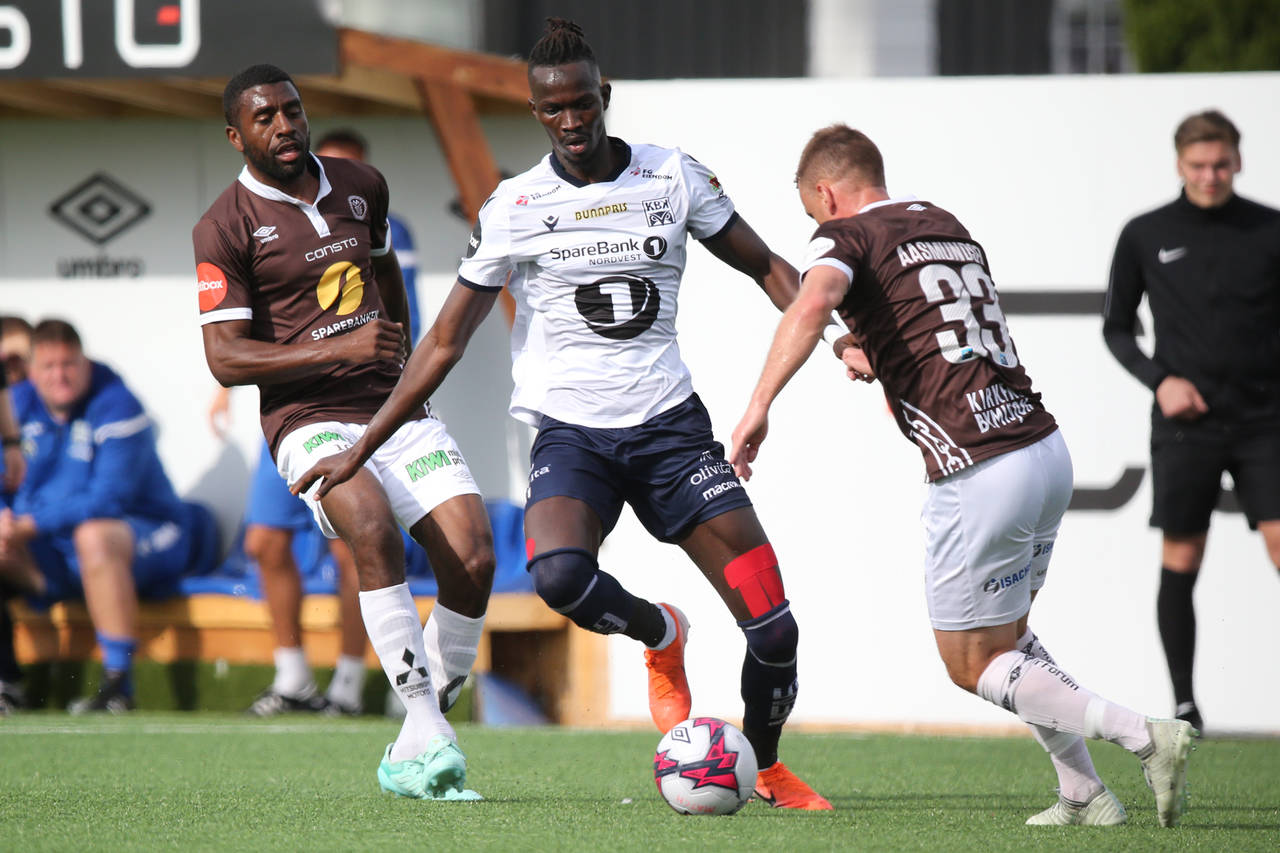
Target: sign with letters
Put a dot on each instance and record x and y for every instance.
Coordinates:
(132, 38)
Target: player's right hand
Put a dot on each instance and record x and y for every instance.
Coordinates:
(331, 471)
(1179, 399)
(744, 446)
(374, 341)
(856, 365)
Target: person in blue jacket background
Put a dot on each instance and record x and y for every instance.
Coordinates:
(96, 514)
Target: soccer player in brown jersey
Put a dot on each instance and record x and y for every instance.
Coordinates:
(916, 287)
(300, 294)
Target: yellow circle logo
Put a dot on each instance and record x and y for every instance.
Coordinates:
(341, 278)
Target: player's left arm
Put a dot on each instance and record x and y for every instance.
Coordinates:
(740, 247)
(386, 272)
(798, 332)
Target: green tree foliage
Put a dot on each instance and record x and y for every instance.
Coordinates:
(1204, 35)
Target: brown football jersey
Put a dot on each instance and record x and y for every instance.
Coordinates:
(301, 272)
(922, 300)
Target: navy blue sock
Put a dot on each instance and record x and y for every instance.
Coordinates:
(769, 683)
(570, 581)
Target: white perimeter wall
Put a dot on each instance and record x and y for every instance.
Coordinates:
(1043, 171)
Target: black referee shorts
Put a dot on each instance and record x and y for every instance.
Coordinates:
(1186, 472)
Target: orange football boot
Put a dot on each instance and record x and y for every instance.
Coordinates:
(669, 698)
(782, 789)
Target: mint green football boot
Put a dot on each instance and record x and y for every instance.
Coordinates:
(402, 778)
(439, 773)
(444, 771)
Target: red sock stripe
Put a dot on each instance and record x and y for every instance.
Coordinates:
(755, 575)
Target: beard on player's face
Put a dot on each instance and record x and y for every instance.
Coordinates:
(283, 172)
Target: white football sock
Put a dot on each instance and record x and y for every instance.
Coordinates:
(348, 681)
(1042, 694)
(1078, 781)
(451, 641)
(391, 621)
(293, 676)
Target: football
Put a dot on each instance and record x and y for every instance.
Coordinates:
(705, 766)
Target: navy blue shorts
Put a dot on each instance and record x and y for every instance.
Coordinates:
(670, 469)
(162, 551)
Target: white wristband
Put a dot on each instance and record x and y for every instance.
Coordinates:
(833, 332)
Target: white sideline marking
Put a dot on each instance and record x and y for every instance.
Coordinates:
(170, 729)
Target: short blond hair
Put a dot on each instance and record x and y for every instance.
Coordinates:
(839, 151)
(1208, 126)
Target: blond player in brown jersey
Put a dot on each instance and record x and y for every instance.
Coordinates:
(917, 288)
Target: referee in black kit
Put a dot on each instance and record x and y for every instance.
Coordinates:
(1209, 263)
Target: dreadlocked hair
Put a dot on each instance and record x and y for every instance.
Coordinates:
(562, 43)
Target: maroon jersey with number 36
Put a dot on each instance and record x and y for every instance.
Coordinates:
(922, 300)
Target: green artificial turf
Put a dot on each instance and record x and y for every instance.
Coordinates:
(211, 781)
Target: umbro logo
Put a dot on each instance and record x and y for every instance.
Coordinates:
(266, 234)
(1168, 256)
(551, 222)
(916, 207)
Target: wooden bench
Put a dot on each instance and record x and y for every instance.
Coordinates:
(562, 666)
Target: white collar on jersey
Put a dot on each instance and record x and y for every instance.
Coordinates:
(258, 188)
(895, 200)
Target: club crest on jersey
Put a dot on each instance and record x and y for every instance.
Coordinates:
(359, 207)
(266, 234)
(657, 212)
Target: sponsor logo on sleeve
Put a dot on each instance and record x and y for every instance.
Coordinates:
(657, 212)
(211, 286)
(715, 185)
(359, 207)
(473, 242)
(818, 247)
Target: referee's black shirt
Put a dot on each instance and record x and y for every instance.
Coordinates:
(1212, 280)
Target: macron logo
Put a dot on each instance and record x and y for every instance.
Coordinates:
(266, 233)
(1168, 256)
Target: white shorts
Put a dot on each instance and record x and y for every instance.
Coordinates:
(419, 466)
(989, 533)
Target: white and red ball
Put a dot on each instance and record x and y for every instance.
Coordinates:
(705, 766)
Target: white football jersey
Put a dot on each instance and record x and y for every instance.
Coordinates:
(595, 271)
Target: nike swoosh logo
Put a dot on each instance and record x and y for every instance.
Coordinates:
(1168, 256)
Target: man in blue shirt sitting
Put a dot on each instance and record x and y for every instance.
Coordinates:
(95, 515)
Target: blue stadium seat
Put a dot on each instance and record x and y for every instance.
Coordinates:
(238, 575)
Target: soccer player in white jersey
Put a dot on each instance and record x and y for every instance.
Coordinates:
(903, 272)
(591, 242)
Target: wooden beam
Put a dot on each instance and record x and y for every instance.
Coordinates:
(380, 86)
(150, 95)
(42, 99)
(453, 115)
(476, 73)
